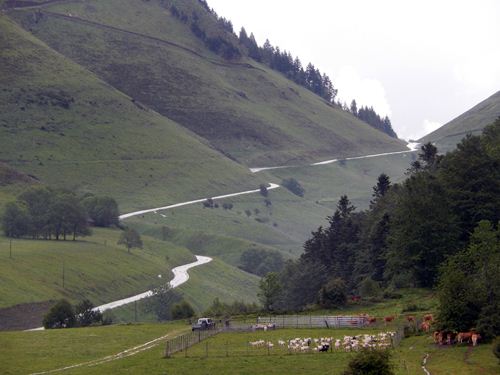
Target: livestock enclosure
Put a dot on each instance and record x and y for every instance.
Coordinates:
(239, 342)
(314, 321)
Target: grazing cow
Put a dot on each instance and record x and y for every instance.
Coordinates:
(410, 319)
(435, 336)
(475, 338)
(425, 326)
(428, 318)
(388, 319)
(464, 337)
(372, 319)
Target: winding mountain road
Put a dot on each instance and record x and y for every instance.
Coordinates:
(155, 210)
(180, 277)
(412, 147)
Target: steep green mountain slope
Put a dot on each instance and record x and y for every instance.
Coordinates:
(244, 109)
(62, 124)
(473, 121)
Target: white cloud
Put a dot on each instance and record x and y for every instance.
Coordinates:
(367, 92)
(429, 126)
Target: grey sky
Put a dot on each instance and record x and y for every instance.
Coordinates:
(421, 62)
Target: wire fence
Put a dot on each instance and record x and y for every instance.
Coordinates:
(314, 321)
(183, 342)
(234, 342)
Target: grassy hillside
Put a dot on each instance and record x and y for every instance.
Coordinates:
(95, 268)
(473, 121)
(286, 223)
(245, 110)
(217, 279)
(62, 124)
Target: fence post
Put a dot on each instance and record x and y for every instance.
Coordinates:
(167, 350)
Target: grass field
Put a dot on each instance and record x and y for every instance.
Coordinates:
(229, 353)
(95, 268)
(26, 352)
(51, 351)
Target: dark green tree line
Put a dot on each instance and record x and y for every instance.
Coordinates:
(409, 231)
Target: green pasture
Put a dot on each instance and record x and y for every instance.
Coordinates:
(95, 267)
(27, 352)
(406, 358)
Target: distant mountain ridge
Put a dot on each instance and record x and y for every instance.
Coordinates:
(472, 121)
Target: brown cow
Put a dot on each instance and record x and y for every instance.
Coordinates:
(410, 319)
(372, 319)
(389, 319)
(435, 336)
(428, 318)
(475, 338)
(464, 337)
(425, 326)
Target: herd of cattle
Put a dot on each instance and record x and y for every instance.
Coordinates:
(354, 343)
(440, 337)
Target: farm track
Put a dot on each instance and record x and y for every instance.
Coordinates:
(424, 364)
(123, 354)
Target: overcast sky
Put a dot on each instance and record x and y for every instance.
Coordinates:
(420, 62)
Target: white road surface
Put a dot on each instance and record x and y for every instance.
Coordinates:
(155, 210)
(412, 147)
(180, 277)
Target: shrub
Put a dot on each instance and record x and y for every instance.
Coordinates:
(488, 323)
(61, 315)
(333, 294)
(412, 308)
(263, 190)
(182, 310)
(293, 186)
(370, 362)
(85, 315)
(496, 347)
(103, 211)
(369, 288)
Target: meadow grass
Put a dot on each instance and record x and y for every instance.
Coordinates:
(252, 113)
(26, 352)
(223, 358)
(94, 267)
(70, 129)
